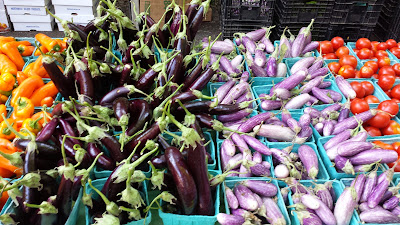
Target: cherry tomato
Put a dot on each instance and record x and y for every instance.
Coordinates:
(358, 74)
(358, 105)
(365, 53)
(396, 164)
(373, 131)
(395, 51)
(383, 145)
(358, 88)
(395, 92)
(342, 51)
(366, 72)
(382, 46)
(396, 68)
(389, 106)
(391, 43)
(373, 64)
(386, 81)
(330, 56)
(376, 76)
(380, 120)
(381, 54)
(348, 60)
(389, 93)
(334, 67)
(371, 99)
(363, 43)
(368, 87)
(347, 71)
(356, 51)
(387, 70)
(392, 128)
(337, 42)
(384, 61)
(326, 47)
(396, 100)
(373, 45)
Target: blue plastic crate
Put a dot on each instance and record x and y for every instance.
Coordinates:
(333, 173)
(281, 204)
(176, 219)
(99, 185)
(338, 189)
(322, 173)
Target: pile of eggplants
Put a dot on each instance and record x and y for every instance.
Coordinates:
(252, 201)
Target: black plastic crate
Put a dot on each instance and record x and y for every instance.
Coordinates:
(350, 33)
(247, 10)
(230, 27)
(388, 25)
(365, 12)
(294, 11)
(318, 30)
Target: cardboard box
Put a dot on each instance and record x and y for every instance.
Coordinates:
(46, 26)
(4, 22)
(208, 17)
(27, 2)
(75, 10)
(75, 2)
(26, 10)
(2, 7)
(31, 19)
(83, 19)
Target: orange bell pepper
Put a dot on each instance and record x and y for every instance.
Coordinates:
(21, 76)
(3, 111)
(46, 117)
(6, 65)
(26, 50)
(38, 68)
(5, 132)
(26, 88)
(62, 43)
(6, 39)
(50, 43)
(47, 90)
(42, 48)
(5, 164)
(12, 52)
(48, 101)
(3, 99)
(6, 174)
(28, 69)
(8, 145)
(7, 81)
(4, 197)
(24, 108)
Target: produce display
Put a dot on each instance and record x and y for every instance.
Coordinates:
(122, 119)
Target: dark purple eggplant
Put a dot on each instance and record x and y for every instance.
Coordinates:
(45, 134)
(104, 161)
(144, 115)
(63, 84)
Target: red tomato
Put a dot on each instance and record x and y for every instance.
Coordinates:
(366, 72)
(384, 61)
(356, 51)
(396, 68)
(380, 120)
(373, 45)
(395, 92)
(396, 145)
(337, 42)
(330, 56)
(386, 81)
(396, 164)
(396, 100)
(326, 47)
(391, 43)
(371, 99)
(381, 54)
(373, 131)
(373, 64)
(358, 88)
(363, 43)
(387, 70)
(348, 60)
(334, 67)
(358, 106)
(358, 74)
(382, 46)
(395, 51)
(376, 76)
(342, 51)
(368, 87)
(347, 71)
(389, 93)
(389, 106)
(365, 53)
(392, 128)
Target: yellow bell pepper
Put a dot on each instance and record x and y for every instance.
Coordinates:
(24, 108)
(5, 132)
(32, 125)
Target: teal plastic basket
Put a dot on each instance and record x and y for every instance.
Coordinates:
(312, 53)
(378, 92)
(333, 173)
(260, 81)
(338, 189)
(99, 185)
(392, 57)
(352, 45)
(281, 204)
(210, 147)
(322, 172)
(176, 219)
